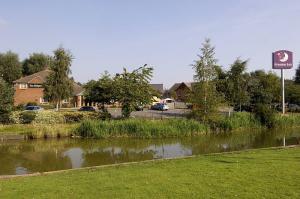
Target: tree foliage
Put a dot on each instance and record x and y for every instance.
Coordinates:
(292, 92)
(133, 88)
(10, 67)
(35, 63)
(6, 100)
(237, 84)
(205, 96)
(101, 91)
(297, 75)
(264, 87)
(58, 85)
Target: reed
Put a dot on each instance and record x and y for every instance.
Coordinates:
(140, 128)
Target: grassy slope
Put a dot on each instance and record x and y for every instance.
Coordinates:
(253, 174)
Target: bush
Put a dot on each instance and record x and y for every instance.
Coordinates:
(26, 117)
(105, 115)
(15, 117)
(19, 107)
(49, 117)
(71, 117)
(265, 115)
(31, 104)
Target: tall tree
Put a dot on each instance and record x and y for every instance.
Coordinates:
(101, 91)
(133, 88)
(264, 88)
(221, 82)
(297, 75)
(6, 100)
(35, 63)
(237, 84)
(205, 96)
(10, 67)
(58, 85)
(292, 91)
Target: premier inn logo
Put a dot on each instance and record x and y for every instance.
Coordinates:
(282, 59)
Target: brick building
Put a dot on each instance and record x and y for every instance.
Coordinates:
(181, 91)
(30, 89)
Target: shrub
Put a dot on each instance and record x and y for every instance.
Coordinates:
(27, 117)
(71, 117)
(19, 107)
(31, 104)
(105, 115)
(49, 117)
(15, 117)
(265, 115)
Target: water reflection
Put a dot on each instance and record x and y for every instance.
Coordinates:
(20, 157)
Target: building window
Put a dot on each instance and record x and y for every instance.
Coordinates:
(44, 100)
(23, 86)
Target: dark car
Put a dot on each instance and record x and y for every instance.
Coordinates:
(160, 107)
(294, 108)
(87, 108)
(33, 108)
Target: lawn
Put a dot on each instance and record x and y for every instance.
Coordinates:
(268, 173)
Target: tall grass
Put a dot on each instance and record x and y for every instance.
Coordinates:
(141, 128)
(30, 131)
(239, 120)
(287, 121)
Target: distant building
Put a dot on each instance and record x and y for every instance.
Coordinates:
(180, 91)
(158, 87)
(30, 89)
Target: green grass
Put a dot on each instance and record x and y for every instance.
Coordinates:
(38, 130)
(271, 173)
(140, 128)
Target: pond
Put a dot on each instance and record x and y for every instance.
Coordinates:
(29, 156)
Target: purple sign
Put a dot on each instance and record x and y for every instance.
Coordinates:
(282, 59)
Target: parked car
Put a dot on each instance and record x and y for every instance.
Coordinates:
(160, 107)
(87, 108)
(33, 108)
(293, 108)
(139, 107)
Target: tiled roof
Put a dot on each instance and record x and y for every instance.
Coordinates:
(41, 76)
(158, 87)
(77, 89)
(187, 84)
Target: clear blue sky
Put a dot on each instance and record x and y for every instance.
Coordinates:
(167, 34)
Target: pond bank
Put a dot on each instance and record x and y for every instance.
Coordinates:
(248, 174)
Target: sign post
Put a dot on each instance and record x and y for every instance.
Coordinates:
(282, 59)
(282, 90)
